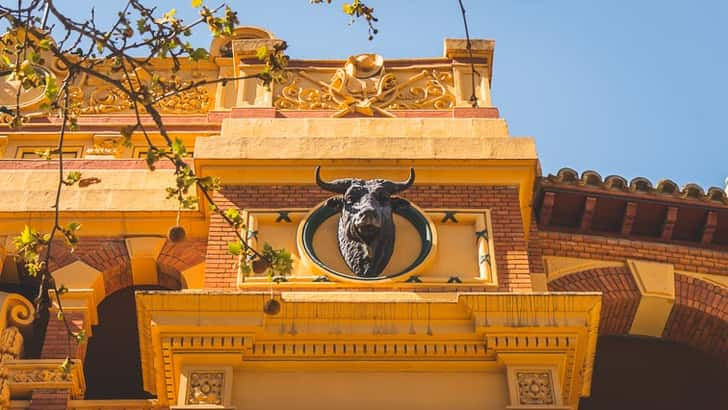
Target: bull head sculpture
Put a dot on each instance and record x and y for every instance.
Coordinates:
(366, 229)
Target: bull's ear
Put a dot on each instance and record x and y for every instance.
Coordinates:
(335, 202)
(399, 203)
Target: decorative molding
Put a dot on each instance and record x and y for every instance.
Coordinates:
(11, 346)
(206, 387)
(535, 382)
(375, 326)
(363, 86)
(15, 310)
(107, 99)
(560, 266)
(105, 145)
(535, 387)
(27, 375)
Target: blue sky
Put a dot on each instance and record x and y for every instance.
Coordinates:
(628, 87)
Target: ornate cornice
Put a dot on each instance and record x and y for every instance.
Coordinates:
(387, 326)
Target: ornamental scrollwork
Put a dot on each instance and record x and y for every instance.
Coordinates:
(108, 99)
(362, 86)
(535, 388)
(42, 375)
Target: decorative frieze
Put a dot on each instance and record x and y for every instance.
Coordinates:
(25, 376)
(363, 86)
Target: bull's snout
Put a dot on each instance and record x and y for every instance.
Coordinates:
(367, 223)
(369, 217)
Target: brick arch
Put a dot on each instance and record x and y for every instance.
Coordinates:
(178, 257)
(620, 299)
(699, 317)
(108, 255)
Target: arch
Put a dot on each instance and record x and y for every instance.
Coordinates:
(112, 372)
(107, 255)
(620, 295)
(180, 263)
(698, 317)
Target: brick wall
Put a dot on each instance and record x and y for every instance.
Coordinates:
(57, 344)
(510, 245)
(49, 399)
(610, 249)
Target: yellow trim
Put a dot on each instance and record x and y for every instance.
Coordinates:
(559, 266)
(713, 279)
(199, 327)
(73, 152)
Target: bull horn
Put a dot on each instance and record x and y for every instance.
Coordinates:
(338, 186)
(394, 187)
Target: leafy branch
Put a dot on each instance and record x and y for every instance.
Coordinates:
(87, 51)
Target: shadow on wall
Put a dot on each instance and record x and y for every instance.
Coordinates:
(113, 365)
(647, 373)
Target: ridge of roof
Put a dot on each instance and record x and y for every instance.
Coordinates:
(639, 185)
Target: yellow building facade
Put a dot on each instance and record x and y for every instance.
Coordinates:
(470, 312)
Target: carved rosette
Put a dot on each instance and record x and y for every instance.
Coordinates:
(205, 388)
(535, 388)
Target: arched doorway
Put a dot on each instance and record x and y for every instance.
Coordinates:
(649, 373)
(112, 365)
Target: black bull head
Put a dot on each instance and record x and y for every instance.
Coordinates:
(366, 229)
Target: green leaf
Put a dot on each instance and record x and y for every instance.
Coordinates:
(126, 133)
(168, 17)
(51, 88)
(261, 52)
(199, 54)
(72, 178)
(26, 237)
(44, 44)
(178, 147)
(66, 365)
(235, 248)
(196, 3)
